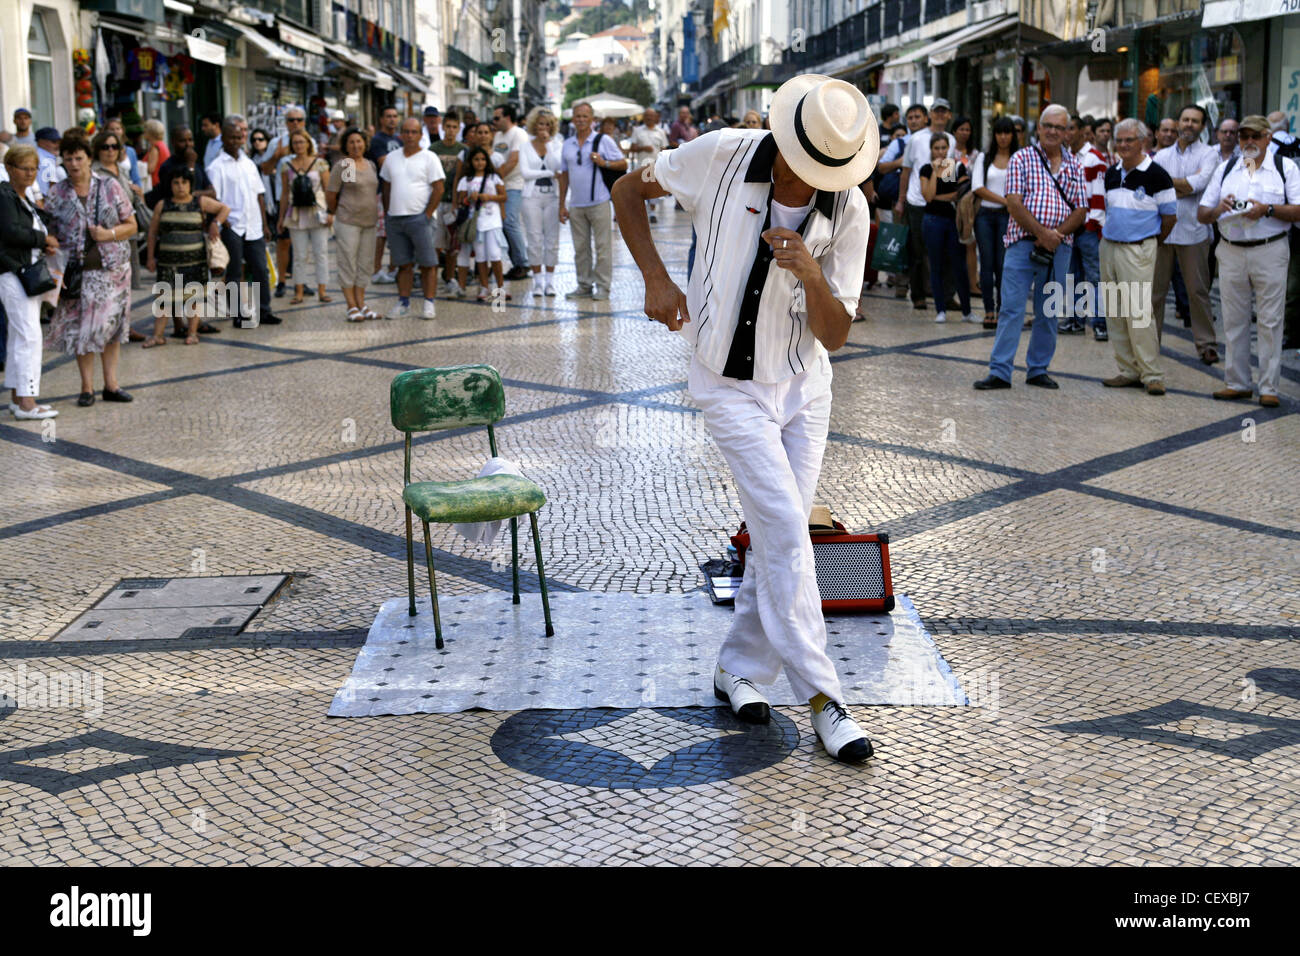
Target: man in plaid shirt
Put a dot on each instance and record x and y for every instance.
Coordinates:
(1048, 200)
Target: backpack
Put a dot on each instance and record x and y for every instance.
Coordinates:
(610, 176)
(1289, 150)
(301, 190)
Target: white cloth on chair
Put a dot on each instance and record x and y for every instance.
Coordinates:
(485, 532)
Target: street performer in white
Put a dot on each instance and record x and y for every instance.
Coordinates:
(782, 229)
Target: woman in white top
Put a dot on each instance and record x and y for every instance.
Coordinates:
(989, 182)
(540, 164)
(968, 154)
(308, 222)
(483, 193)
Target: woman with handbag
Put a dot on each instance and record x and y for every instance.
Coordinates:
(179, 255)
(541, 164)
(942, 182)
(93, 220)
(24, 278)
(968, 154)
(350, 196)
(304, 213)
(481, 194)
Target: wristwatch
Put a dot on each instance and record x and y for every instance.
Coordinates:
(1268, 214)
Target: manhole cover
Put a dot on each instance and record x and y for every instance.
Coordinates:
(158, 608)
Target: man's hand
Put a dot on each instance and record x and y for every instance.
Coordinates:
(666, 303)
(898, 210)
(1049, 239)
(1256, 210)
(790, 253)
(564, 214)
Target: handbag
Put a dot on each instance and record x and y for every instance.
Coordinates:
(36, 278)
(91, 258)
(891, 254)
(467, 226)
(218, 256)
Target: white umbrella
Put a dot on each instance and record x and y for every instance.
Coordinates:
(610, 104)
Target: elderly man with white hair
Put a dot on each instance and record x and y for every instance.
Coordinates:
(1047, 199)
(1253, 199)
(1141, 210)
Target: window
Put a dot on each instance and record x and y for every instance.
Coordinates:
(40, 72)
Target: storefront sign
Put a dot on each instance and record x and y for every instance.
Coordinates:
(1219, 13)
(1291, 96)
(206, 50)
(141, 9)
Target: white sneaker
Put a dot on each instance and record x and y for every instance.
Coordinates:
(40, 411)
(747, 701)
(537, 290)
(969, 318)
(550, 283)
(941, 318)
(430, 310)
(840, 733)
(452, 289)
(383, 277)
(398, 311)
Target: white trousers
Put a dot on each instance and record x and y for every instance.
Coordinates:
(310, 247)
(1263, 269)
(23, 345)
(542, 228)
(773, 437)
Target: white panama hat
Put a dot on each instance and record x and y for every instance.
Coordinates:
(825, 130)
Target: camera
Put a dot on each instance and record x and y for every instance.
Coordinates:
(1240, 205)
(1040, 256)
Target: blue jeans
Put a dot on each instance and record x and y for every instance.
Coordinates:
(946, 254)
(1020, 274)
(990, 227)
(1085, 266)
(514, 228)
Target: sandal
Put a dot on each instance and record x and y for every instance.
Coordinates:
(153, 341)
(323, 298)
(482, 295)
(369, 313)
(356, 315)
(191, 340)
(296, 300)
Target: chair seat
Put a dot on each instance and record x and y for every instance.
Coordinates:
(490, 498)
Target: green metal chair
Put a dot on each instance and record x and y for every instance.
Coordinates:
(435, 399)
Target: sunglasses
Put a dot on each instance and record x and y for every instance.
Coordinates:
(108, 146)
(294, 119)
(1250, 134)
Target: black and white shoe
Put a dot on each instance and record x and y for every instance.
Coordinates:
(747, 701)
(840, 733)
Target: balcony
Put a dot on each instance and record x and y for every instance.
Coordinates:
(848, 36)
(729, 68)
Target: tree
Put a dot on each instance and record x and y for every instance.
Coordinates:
(582, 85)
(634, 86)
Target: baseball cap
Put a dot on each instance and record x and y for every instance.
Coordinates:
(48, 132)
(431, 111)
(22, 109)
(941, 104)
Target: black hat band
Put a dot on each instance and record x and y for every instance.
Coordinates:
(812, 150)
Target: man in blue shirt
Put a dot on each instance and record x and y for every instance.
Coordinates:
(588, 207)
(1141, 209)
(210, 127)
(47, 153)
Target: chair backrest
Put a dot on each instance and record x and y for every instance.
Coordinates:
(432, 399)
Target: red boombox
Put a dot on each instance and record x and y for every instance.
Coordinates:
(852, 569)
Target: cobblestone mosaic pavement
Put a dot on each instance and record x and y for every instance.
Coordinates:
(1111, 576)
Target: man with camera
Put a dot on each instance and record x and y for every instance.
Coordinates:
(1047, 200)
(1141, 209)
(1253, 198)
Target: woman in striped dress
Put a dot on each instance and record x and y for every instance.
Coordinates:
(179, 255)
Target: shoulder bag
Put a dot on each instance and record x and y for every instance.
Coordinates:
(35, 276)
(1065, 199)
(91, 258)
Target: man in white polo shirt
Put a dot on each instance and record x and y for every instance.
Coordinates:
(412, 181)
(238, 183)
(1254, 199)
(782, 230)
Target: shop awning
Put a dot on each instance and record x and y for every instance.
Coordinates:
(869, 63)
(205, 50)
(358, 66)
(947, 49)
(417, 83)
(301, 39)
(944, 49)
(269, 48)
(1222, 13)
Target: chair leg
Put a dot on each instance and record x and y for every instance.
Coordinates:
(514, 555)
(433, 587)
(410, 563)
(541, 575)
